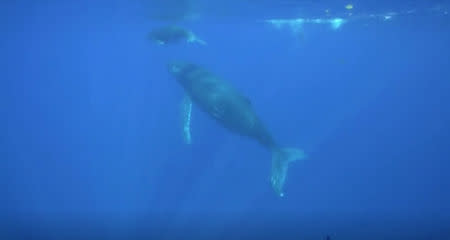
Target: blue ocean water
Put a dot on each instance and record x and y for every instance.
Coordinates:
(91, 127)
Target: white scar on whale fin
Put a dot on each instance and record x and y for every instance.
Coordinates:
(186, 114)
(194, 39)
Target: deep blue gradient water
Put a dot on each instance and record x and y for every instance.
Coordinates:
(90, 127)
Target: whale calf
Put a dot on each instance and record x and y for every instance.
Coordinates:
(173, 34)
(234, 111)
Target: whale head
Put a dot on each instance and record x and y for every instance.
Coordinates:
(175, 68)
(179, 69)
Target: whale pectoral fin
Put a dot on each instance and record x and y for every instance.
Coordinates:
(186, 111)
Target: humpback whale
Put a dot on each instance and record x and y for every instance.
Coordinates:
(173, 34)
(233, 110)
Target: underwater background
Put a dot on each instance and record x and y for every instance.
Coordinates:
(90, 128)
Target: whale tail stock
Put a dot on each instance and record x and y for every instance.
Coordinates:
(281, 158)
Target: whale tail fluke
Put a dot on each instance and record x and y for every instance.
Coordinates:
(200, 41)
(192, 38)
(280, 163)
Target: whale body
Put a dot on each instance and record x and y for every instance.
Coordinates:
(234, 111)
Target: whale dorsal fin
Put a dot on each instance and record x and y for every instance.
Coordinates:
(246, 100)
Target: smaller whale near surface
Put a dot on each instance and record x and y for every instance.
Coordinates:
(219, 99)
(173, 34)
